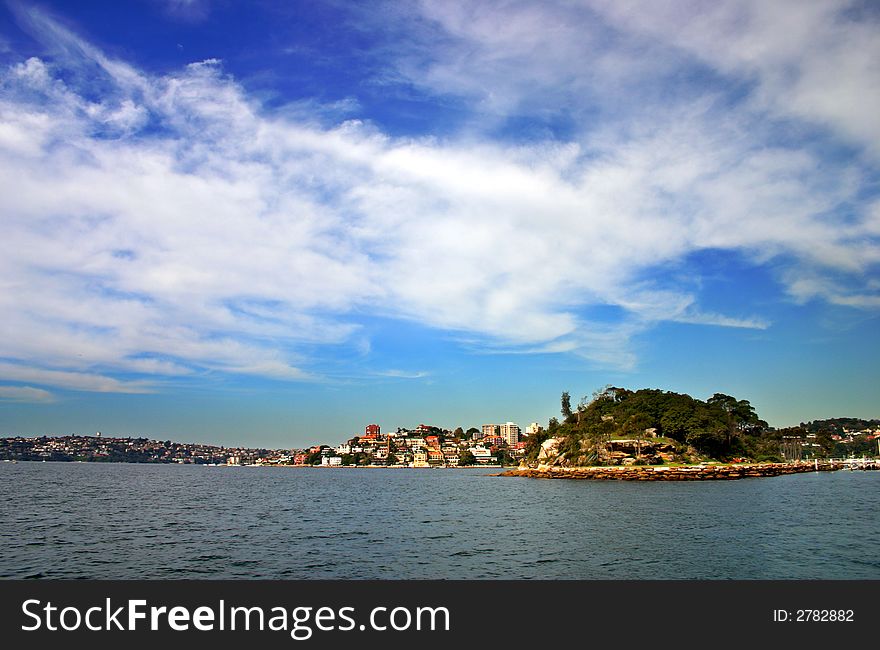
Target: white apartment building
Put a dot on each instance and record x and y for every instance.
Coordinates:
(490, 430)
(510, 432)
(534, 428)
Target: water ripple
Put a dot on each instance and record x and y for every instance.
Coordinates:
(160, 521)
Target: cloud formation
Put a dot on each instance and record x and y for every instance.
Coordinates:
(174, 227)
(25, 394)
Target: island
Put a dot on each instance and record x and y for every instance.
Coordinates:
(654, 435)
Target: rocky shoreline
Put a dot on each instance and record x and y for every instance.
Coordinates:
(682, 473)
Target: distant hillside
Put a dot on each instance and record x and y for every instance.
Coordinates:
(721, 427)
(840, 426)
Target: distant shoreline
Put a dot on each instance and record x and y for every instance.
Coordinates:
(154, 463)
(706, 471)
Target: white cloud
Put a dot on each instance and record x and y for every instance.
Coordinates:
(817, 60)
(403, 374)
(72, 380)
(237, 240)
(191, 11)
(25, 394)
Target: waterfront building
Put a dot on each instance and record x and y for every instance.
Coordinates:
(449, 448)
(435, 456)
(482, 455)
(420, 458)
(489, 430)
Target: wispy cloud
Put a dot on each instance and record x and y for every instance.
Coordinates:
(72, 380)
(190, 11)
(25, 394)
(403, 374)
(175, 226)
(825, 70)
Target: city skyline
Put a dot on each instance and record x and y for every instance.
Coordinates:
(269, 223)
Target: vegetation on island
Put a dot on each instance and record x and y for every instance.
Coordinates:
(722, 427)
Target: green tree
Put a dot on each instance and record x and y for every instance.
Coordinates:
(466, 458)
(599, 435)
(739, 417)
(534, 442)
(504, 457)
(566, 406)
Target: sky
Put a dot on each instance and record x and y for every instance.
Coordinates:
(272, 223)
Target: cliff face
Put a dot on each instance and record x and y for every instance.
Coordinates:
(550, 454)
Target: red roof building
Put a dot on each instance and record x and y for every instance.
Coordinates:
(372, 431)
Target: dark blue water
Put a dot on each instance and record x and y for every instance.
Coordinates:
(82, 520)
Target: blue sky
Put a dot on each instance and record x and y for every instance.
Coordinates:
(272, 223)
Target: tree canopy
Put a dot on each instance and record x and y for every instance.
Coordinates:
(721, 427)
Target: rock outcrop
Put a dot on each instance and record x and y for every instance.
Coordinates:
(679, 473)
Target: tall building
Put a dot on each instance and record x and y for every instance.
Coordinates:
(510, 432)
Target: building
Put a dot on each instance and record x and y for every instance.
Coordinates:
(491, 430)
(510, 432)
(420, 458)
(534, 428)
(372, 431)
(435, 456)
(482, 455)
